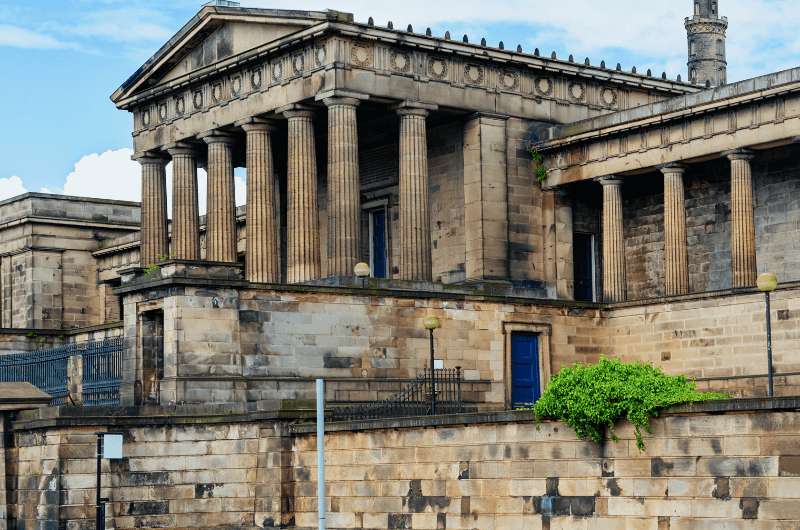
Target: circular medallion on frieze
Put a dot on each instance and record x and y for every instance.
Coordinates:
(509, 80)
(576, 91)
(361, 55)
(146, 118)
(473, 74)
(298, 64)
(277, 72)
(197, 100)
(255, 78)
(544, 86)
(609, 97)
(400, 62)
(216, 91)
(437, 68)
(236, 84)
(320, 55)
(162, 111)
(180, 105)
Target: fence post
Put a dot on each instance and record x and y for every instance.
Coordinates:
(75, 378)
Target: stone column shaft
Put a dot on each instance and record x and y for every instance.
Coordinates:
(303, 257)
(185, 212)
(676, 264)
(743, 229)
(614, 283)
(221, 215)
(261, 258)
(154, 239)
(415, 232)
(344, 191)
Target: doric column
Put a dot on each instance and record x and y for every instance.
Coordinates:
(154, 243)
(614, 284)
(302, 259)
(415, 231)
(261, 257)
(185, 213)
(221, 214)
(676, 265)
(743, 228)
(344, 196)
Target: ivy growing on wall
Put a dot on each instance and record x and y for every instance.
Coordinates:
(541, 171)
(591, 398)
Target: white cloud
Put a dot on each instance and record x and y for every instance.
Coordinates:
(11, 186)
(17, 37)
(113, 175)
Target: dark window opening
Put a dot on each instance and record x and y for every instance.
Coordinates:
(584, 267)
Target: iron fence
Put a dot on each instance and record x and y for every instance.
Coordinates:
(47, 369)
(102, 372)
(416, 399)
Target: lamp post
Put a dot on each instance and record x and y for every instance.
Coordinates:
(430, 324)
(109, 446)
(767, 283)
(361, 270)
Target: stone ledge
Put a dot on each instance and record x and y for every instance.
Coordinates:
(525, 416)
(155, 415)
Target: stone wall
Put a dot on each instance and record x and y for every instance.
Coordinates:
(220, 467)
(732, 471)
(243, 344)
(712, 337)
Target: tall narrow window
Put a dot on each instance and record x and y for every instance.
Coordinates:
(720, 47)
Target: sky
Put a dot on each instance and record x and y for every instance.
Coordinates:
(62, 59)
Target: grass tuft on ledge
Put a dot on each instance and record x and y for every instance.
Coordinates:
(592, 398)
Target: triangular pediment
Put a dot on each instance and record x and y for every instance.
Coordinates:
(213, 35)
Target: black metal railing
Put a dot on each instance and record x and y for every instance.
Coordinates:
(47, 369)
(414, 400)
(102, 372)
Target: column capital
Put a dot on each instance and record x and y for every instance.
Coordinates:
(415, 108)
(296, 111)
(149, 157)
(257, 124)
(341, 97)
(609, 180)
(216, 137)
(739, 154)
(672, 168)
(181, 148)
(341, 101)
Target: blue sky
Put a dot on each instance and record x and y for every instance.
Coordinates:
(61, 59)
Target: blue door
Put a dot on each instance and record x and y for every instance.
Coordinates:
(378, 246)
(524, 369)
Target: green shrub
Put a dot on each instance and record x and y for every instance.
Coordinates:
(591, 398)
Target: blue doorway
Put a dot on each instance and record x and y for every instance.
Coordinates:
(525, 386)
(377, 251)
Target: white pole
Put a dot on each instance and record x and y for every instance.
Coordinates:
(321, 452)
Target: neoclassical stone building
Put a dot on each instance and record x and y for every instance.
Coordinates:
(548, 210)
(511, 192)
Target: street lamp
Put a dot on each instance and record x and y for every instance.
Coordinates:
(767, 283)
(430, 324)
(361, 270)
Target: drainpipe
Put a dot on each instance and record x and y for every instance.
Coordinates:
(321, 453)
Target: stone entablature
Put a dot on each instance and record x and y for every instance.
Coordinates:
(332, 52)
(764, 111)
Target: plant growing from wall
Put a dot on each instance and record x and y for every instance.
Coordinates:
(538, 158)
(591, 398)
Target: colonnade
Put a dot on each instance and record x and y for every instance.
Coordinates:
(676, 268)
(303, 233)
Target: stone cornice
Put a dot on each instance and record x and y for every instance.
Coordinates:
(708, 101)
(412, 40)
